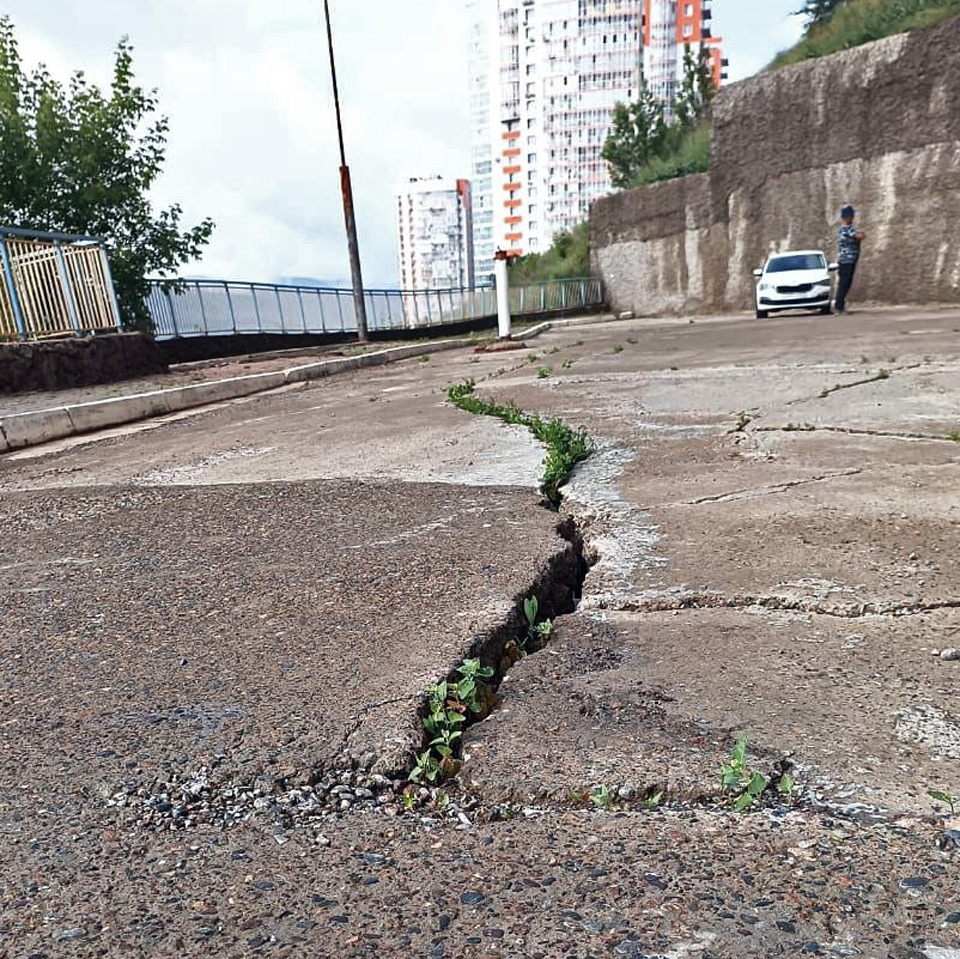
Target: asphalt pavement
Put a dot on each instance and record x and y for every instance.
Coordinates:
(217, 629)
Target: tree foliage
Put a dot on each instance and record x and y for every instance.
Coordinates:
(567, 258)
(640, 134)
(818, 12)
(76, 160)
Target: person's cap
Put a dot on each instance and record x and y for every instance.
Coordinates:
(847, 213)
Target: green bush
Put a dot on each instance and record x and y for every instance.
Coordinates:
(567, 258)
(690, 155)
(861, 21)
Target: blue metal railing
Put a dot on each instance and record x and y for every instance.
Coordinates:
(223, 307)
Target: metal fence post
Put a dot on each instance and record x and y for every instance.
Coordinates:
(563, 295)
(173, 313)
(256, 308)
(303, 315)
(203, 311)
(111, 290)
(233, 315)
(67, 287)
(12, 289)
(283, 326)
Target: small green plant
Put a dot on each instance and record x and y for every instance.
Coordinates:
(537, 634)
(555, 350)
(568, 364)
(946, 798)
(786, 785)
(746, 785)
(654, 801)
(409, 800)
(544, 371)
(449, 706)
(743, 421)
(618, 349)
(601, 797)
(423, 358)
(427, 768)
(799, 428)
(885, 374)
(532, 357)
(954, 436)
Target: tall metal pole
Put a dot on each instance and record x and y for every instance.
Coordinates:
(359, 303)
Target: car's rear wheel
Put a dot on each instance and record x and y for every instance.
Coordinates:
(761, 314)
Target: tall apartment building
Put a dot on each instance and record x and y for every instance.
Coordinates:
(669, 27)
(545, 76)
(435, 232)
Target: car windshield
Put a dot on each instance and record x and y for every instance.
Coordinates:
(797, 261)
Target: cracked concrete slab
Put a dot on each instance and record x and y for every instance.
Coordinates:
(281, 630)
(792, 586)
(633, 699)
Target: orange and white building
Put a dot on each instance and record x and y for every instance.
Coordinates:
(669, 27)
(544, 78)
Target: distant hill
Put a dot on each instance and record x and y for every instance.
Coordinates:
(310, 281)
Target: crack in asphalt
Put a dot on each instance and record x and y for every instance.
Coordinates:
(708, 600)
(853, 431)
(768, 490)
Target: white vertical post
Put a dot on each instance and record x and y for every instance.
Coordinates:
(503, 293)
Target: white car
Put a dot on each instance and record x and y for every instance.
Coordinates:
(794, 280)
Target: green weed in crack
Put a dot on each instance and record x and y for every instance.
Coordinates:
(946, 798)
(565, 445)
(747, 785)
(450, 704)
(537, 634)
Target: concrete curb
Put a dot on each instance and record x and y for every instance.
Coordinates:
(41, 426)
(548, 325)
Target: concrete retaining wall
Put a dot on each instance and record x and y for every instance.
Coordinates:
(877, 126)
(68, 363)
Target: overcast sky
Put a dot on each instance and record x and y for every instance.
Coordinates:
(252, 140)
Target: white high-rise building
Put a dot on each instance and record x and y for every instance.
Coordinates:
(545, 76)
(484, 95)
(553, 69)
(435, 233)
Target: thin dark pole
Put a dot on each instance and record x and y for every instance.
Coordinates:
(359, 303)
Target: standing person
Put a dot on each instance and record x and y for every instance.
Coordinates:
(848, 242)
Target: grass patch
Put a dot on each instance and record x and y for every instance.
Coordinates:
(565, 445)
(862, 21)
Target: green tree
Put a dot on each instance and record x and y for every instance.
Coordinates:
(697, 89)
(818, 12)
(76, 160)
(640, 135)
(637, 135)
(567, 258)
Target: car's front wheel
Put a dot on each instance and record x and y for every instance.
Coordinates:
(826, 310)
(762, 314)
